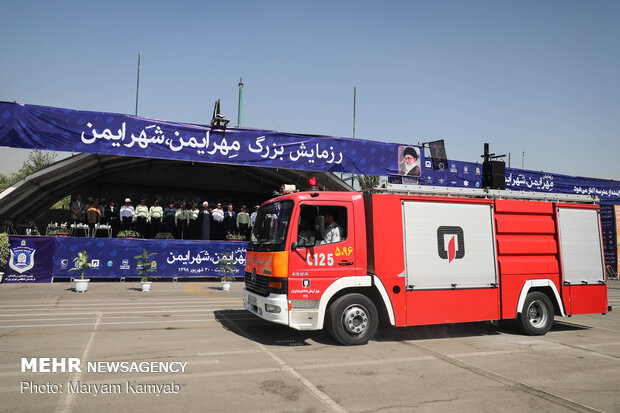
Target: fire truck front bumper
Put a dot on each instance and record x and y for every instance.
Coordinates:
(273, 308)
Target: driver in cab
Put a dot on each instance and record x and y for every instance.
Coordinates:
(333, 231)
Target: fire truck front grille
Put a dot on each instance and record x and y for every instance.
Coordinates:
(259, 284)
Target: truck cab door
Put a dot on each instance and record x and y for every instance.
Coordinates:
(313, 268)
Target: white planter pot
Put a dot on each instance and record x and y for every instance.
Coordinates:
(81, 285)
(225, 285)
(146, 286)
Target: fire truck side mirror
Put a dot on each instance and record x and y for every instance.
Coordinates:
(303, 243)
(319, 227)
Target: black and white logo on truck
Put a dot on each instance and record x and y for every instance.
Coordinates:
(450, 243)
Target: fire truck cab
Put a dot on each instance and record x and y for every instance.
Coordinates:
(418, 255)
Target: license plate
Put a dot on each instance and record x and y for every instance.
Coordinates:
(252, 300)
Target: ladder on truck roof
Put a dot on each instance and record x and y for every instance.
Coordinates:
(406, 189)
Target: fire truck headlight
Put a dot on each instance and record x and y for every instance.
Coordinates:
(272, 308)
(275, 284)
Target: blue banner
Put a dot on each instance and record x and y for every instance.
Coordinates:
(607, 190)
(56, 129)
(469, 175)
(610, 240)
(30, 260)
(114, 257)
(455, 174)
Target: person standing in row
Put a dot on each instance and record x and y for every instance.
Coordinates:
(253, 216)
(128, 215)
(103, 219)
(77, 209)
(169, 218)
(192, 215)
(181, 222)
(218, 222)
(93, 214)
(90, 201)
(243, 222)
(142, 215)
(112, 216)
(155, 215)
(205, 224)
(253, 220)
(230, 220)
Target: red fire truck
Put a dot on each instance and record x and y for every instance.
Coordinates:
(419, 255)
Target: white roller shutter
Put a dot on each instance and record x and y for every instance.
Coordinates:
(448, 245)
(580, 243)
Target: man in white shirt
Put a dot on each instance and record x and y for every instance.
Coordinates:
(333, 231)
(127, 215)
(253, 216)
(218, 222)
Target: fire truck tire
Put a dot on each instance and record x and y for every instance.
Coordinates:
(536, 318)
(352, 319)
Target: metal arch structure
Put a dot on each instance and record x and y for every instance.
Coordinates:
(32, 196)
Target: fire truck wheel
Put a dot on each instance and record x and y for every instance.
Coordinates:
(536, 318)
(352, 319)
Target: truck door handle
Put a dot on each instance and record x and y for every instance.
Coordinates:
(345, 263)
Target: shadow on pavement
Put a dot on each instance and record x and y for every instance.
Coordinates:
(388, 333)
(560, 326)
(245, 324)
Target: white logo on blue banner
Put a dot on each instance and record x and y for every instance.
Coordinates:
(22, 258)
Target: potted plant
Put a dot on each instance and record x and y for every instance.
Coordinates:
(81, 263)
(128, 234)
(59, 232)
(227, 266)
(4, 252)
(146, 266)
(231, 236)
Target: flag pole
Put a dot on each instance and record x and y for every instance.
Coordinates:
(240, 102)
(138, 82)
(354, 107)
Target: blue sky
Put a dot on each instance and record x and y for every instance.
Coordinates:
(534, 76)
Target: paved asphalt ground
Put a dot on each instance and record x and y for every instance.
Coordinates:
(239, 363)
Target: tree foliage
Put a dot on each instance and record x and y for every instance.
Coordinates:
(4, 249)
(36, 160)
(64, 203)
(145, 265)
(227, 265)
(367, 181)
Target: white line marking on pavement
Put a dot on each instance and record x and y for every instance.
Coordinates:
(228, 353)
(124, 322)
(66, 403)
(290, 370)
(613, 343)
(543, 394)
(105, 313)
(118, 307)
(128, 301)
(591, 326)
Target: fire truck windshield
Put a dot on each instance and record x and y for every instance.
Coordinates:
(271, 227)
